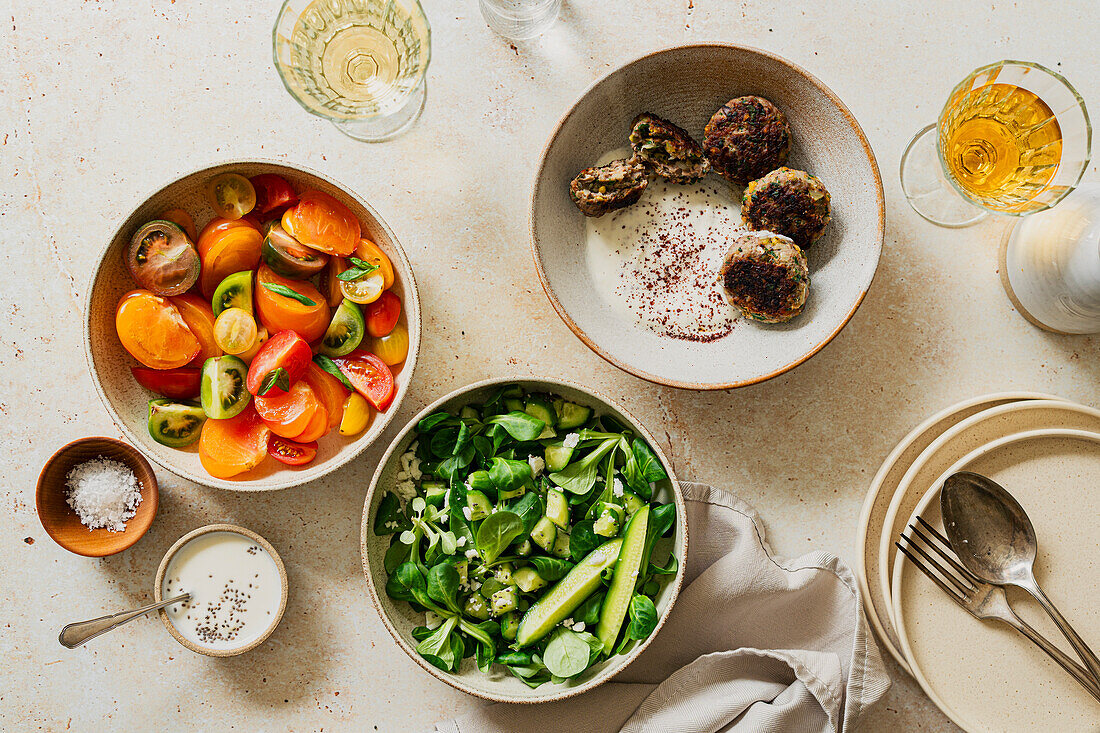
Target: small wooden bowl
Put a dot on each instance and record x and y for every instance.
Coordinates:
(63, 525)
(158, 590)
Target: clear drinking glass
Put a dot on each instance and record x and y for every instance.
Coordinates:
(520, 20)
(360, 64)
(1014, 138)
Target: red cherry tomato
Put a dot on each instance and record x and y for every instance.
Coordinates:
(290, 452)
(382, 314)
(273, 194)
(177, 384)
(370, 376)
(286, 350)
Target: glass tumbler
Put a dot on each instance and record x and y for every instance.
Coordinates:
(520, 20)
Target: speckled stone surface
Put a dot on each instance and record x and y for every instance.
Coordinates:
(102, 102)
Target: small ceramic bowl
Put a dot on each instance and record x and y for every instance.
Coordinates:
(63, 525)
(127, 401)
(399, 617)
(688, 84)
(158, 594)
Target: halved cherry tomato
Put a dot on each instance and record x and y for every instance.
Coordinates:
(290, 452)
(232, 250)
(330, 284)
(370, 252)
(285, 350)
(357, 415)
(231, 195)
(235, 330)
(370, 376)
(393, 347)
(365, 289)
(261, 338)
(382, 314)
(320, 221)
(154, 332)
(273, 194)
(163, 259)
(183, 220)
(199, 317)
(234, 445)
(288, 413)
(216, 226)
(317, 427)
(177, 384)
(329, 390)
(279, 312)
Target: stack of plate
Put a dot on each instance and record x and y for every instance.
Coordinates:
(982, 674)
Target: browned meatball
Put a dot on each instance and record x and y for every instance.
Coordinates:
(667, 149)
(789, 202)
(604, 188)
(746, 138)
(765, 276)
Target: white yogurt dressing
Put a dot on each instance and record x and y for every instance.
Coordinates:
(657, 261)
(235, 590)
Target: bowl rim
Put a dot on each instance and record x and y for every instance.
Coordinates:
(409, 365)
(454, 680)
(150, 493)
(586, 339)
(162, 569)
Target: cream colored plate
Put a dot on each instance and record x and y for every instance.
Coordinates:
(968, 435)
(982, 674)
(882, 490)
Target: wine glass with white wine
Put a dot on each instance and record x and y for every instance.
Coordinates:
(1014, 138)
(360, 64)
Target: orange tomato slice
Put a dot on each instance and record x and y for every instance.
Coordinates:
(288, 413)
(154, 332)
(199, 317)
(320, 221)
(182, 219)
(280, 313)
(329, 391)
(232, 250)
(233, 446)
(330, 284)
(216, 226)
(370, 252)
(317, 427)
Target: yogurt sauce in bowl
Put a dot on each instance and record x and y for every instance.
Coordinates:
(237, 585)
(657, 261)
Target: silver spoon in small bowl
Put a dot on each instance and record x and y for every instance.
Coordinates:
(77, 633)
(994, 538)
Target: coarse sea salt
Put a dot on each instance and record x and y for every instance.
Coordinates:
(104, 493)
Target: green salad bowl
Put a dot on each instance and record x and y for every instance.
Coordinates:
(400, 619)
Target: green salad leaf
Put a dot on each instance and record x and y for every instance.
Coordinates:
(643, 617)
(567, 654)
(519, 425)
(496, 532)
(508, 475)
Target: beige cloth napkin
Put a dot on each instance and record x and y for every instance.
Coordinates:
(754, 643)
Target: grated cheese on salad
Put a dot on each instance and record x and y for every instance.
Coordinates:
(571, 440)
(104, 493)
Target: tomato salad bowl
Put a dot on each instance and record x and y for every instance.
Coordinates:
(252, 326)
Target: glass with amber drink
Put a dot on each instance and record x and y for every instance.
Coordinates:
(1014, 138)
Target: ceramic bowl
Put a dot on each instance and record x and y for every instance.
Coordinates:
(158, 590)
(63, 525)
(400, 619)
(686, 85)
(110, 364)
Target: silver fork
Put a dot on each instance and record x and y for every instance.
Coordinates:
(982, 600)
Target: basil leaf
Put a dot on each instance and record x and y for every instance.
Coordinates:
(643, 617)
(363, 264)
(553, 568)
(508, 474)
(354, 273)
(286, 292)
(519, 425)
(330, 366)
(567, 654)
(277, 377)
(496, 532)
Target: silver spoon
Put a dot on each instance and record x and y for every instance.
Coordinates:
(76, 634)
(995, 540)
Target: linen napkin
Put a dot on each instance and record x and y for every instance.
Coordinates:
(754, 643)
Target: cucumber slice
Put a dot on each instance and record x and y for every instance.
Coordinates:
(538, 408)
(491, 586)
(504, 601)
(514, 392)
(345, 331)
(557, 508)
(509, 624)
(503, 573)
(222, 390)
(513, 404)
(434, 492)
(561, 544)
(476, 607)
(570, 414)
(557, 457)
(235, 291)
(174, 424)
(518, 491)
(526, 548)
(478, 504)
(622, 583)
(528, 580)
(608, 520)
(469, 413)
(569, 592)
(544, 533)
(632, 501)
